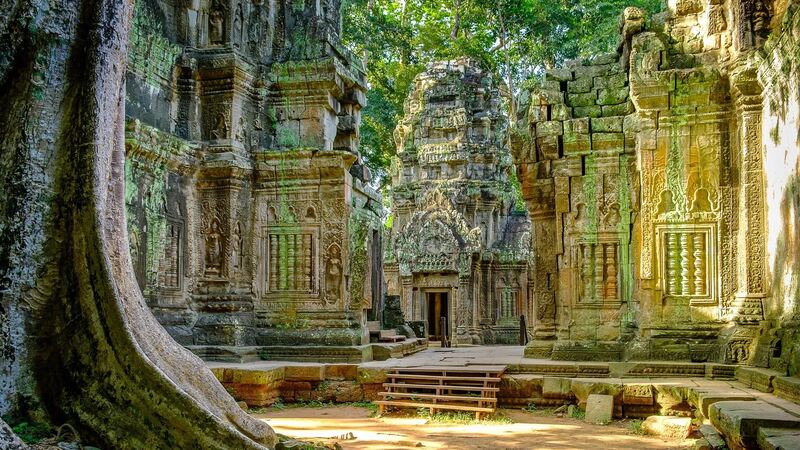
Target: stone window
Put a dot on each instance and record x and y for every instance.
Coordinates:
(599, 271)
(169, 273)
(686, 261)
(291, 262)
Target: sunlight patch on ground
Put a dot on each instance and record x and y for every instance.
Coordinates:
(352, 428)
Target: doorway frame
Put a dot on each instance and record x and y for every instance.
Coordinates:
(450, 307)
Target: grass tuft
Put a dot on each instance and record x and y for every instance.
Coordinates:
(462, 417)
(635, 426)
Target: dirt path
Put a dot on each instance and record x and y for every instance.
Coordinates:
(390, 432)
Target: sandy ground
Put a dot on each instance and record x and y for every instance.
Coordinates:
(353, 429)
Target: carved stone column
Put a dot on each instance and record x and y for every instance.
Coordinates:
(225, 303)
(544, 270)
(752, 285)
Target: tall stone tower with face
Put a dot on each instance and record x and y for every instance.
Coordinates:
(459, 244)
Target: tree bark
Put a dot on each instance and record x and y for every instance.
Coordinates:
(97, 357)
(456, 19)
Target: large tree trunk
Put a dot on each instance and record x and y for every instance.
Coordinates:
(98, 359)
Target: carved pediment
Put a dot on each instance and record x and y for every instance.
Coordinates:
(435, 236)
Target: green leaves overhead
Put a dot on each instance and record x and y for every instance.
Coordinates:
(514, 38)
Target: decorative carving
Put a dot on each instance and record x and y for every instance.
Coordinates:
(216, 24)
(333, 274)
(220, 130)
(214, 248)
(435, 236)
(170, 274)
(237, 245)
(238, 26)
(290, 267)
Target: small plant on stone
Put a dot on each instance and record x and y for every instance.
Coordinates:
(279, 405)
(530, 407)
(636, 427)
(31, 433)
(578, 413)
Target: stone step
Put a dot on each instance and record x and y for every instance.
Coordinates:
(778, 439)
(712, 438)
(756, 377)
(739, 421)
(703, 397)
(787, 388)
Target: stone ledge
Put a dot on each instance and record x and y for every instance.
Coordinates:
(778, 439)
(756, 377)
(703, 398)
(740, 421)
(787, 388)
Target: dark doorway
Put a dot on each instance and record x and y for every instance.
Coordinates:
(437, 308)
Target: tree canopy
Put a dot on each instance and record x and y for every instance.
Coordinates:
(516, 39)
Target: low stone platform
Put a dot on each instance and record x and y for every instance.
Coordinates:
(329, 354)
(738, 401)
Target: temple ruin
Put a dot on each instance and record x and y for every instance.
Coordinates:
(627, 243)
(459, 242)
(645, 167)
(250, 218)
(642, 235)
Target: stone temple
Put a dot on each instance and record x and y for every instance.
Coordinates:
(250, 219)
(623, 213)
(632, 231)
(460, 239)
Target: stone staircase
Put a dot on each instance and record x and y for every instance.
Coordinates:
(459, 388)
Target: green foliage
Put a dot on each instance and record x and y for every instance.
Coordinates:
(530, 407)
(29, 432)
(462, 417)
(514, 38)
(578, 413)
(636, 427)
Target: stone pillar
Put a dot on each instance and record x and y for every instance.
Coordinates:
(462, 320)
(225, 304)
(752, 285)
(406, 291)
(544, 270)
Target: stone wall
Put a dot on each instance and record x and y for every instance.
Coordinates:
(458, 230)
(778, 71)
(647, 168)
(250, 215)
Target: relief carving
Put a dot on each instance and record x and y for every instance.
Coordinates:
(333, 274)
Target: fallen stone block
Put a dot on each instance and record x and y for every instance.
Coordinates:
(668, 426)
(599, 409)
(739, 421)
